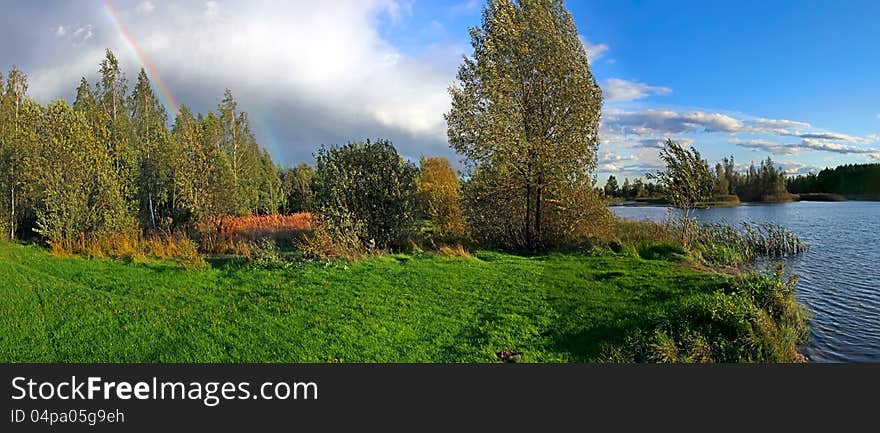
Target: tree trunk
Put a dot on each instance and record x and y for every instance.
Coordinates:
(528, 218)
(12, 178)
(12, 211)
(538, 234)
(152, 214)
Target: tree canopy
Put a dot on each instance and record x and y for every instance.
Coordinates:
(525, 115)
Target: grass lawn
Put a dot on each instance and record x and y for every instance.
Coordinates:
(395, 308)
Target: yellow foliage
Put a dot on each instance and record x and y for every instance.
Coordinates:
(438, 190)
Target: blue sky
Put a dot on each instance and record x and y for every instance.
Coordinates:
(810, 62)
(795, 80)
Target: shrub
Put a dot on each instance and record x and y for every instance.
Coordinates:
(265, 254)
(335, 235)
(440, 199)
(187, 254)
(371, 184)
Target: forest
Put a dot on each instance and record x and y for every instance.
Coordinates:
(851, 180)
(109, 166)
(763, 183)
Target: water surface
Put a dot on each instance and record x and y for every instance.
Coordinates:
(840, 273)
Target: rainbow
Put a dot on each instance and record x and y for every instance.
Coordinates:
(165, 95)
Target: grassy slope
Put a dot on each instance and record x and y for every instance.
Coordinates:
(391, 308)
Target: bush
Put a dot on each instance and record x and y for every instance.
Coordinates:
(373, 186)
(265, 254)
(187, 254)
(335, 235)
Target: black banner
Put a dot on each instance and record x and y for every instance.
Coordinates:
(417, 397)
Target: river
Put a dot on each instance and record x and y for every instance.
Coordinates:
(840, 272)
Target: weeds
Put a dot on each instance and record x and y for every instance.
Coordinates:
(456, 251)
(755, 318)
(265, 254)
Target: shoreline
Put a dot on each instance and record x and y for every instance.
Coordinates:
(657, 203)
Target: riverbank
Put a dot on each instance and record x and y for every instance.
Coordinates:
(838, 281)
(643, 305)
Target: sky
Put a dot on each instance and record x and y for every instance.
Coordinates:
(795, 80)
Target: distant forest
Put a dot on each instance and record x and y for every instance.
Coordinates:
(847, 180)
(764, 182)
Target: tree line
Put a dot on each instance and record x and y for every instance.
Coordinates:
(850, 180)
(110, 164)
(764, 182)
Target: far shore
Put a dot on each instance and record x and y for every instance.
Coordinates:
(816, 197)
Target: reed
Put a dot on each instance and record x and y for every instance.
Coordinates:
(772, 240)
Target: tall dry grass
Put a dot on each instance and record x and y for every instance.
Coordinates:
(132, 246)
(227, 234)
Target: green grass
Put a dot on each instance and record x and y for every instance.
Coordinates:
(394, 308)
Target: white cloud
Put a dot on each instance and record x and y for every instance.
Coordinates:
(617, 89)
(594, 51)
(212, 9)
(668, 122)
(807, 144)
(776, 126)
(831, 136)
(796, 168)
(309, 73)
(82, 34)
(659, 143)
(322, 73)
(145, 8)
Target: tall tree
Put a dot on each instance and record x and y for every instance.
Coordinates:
(525, 115)
(154, 152)
(722, 184)
(268, 189)
(221, 197)
(79, 195)
(110, 94)
(13, 145)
